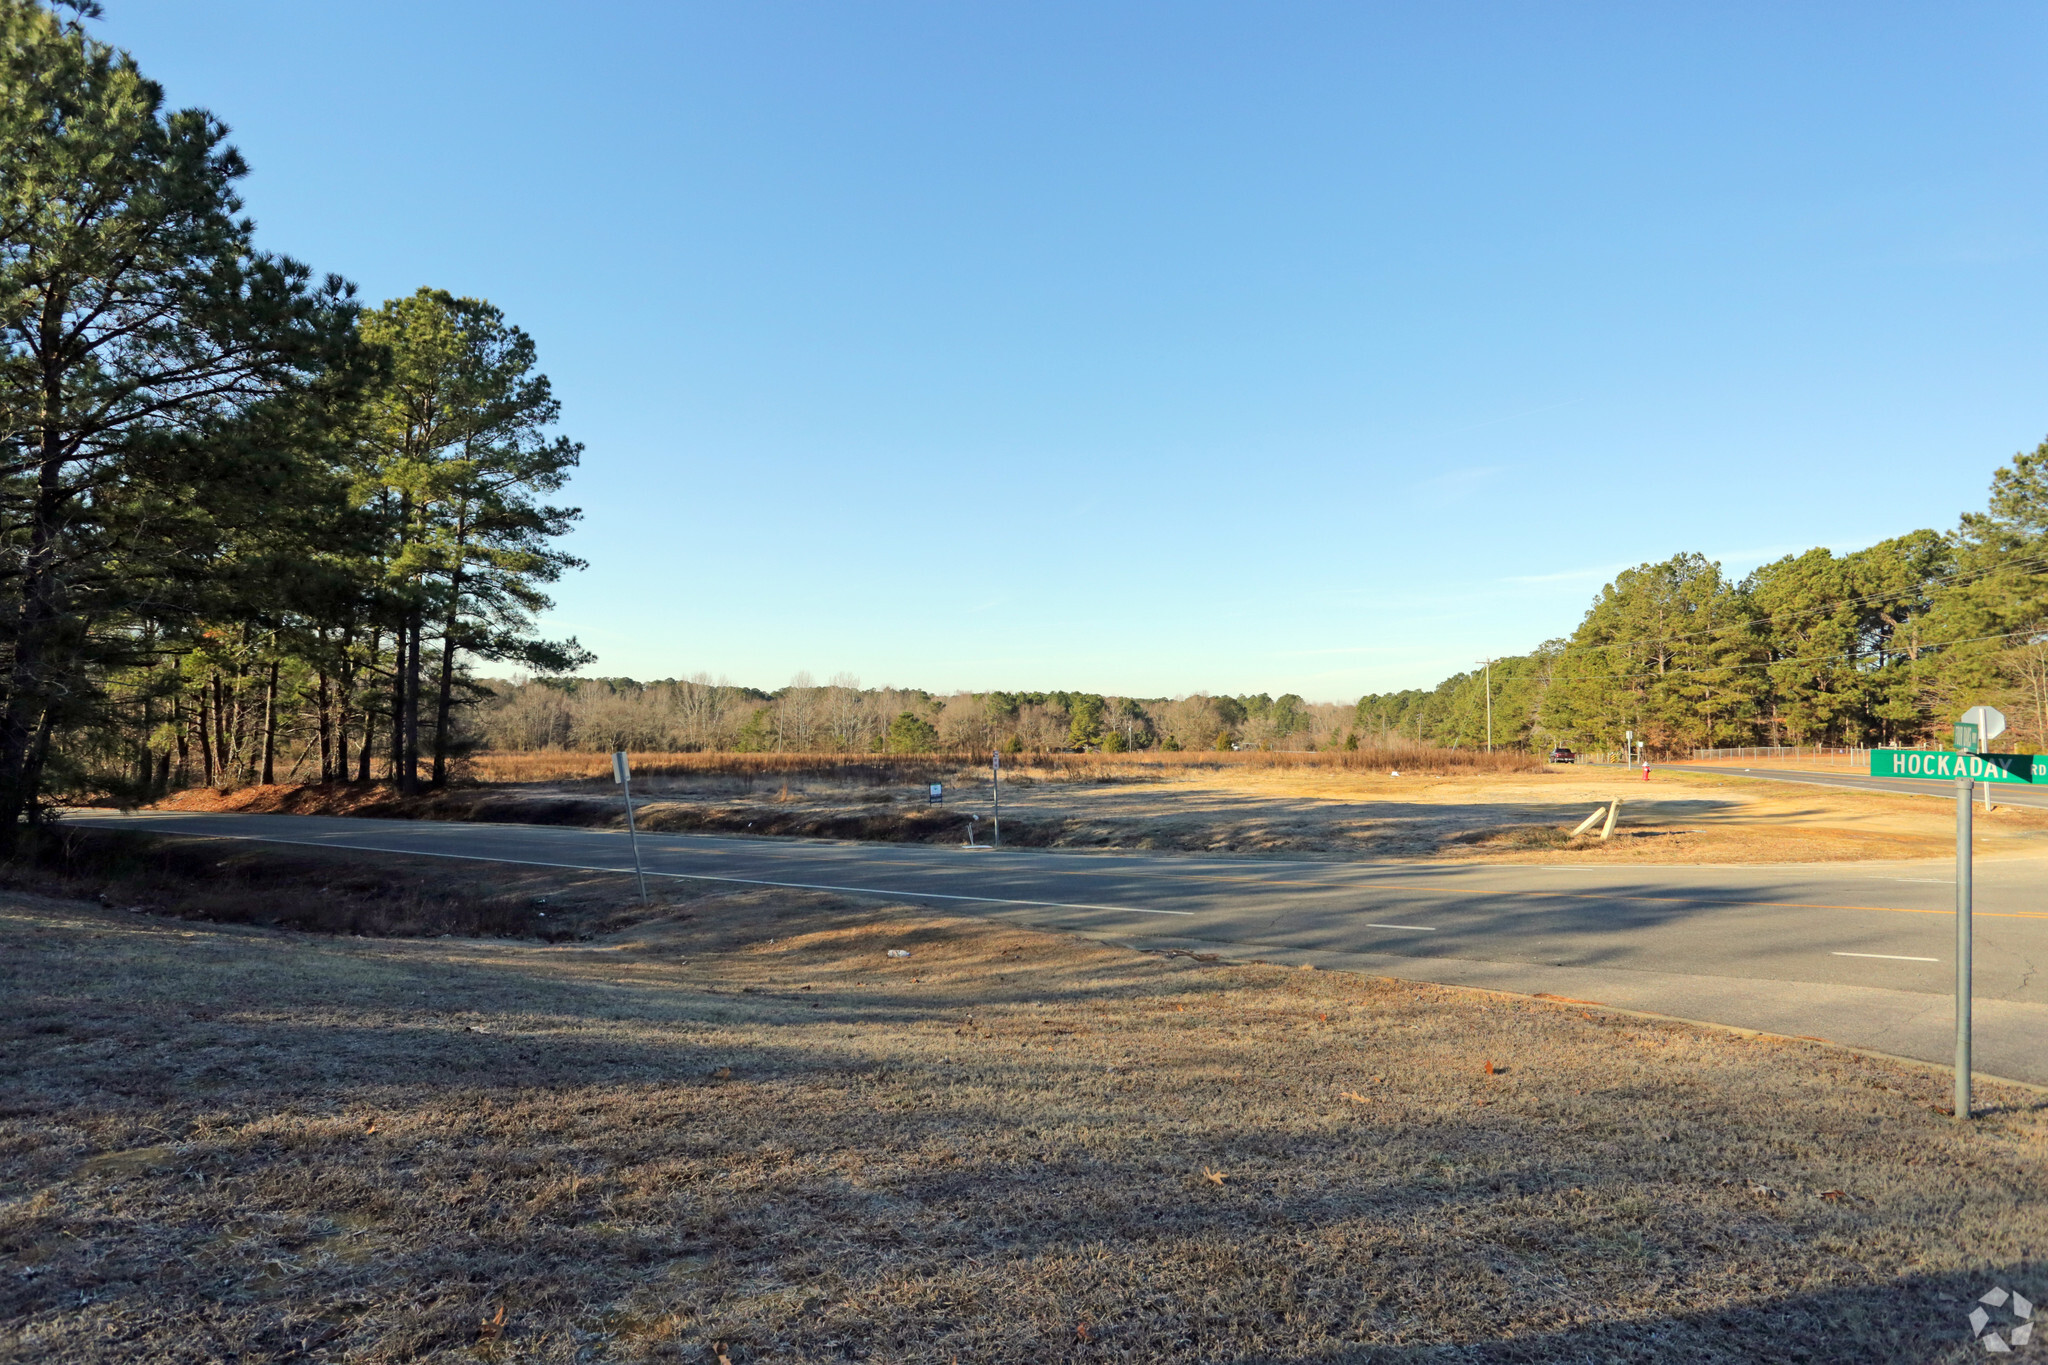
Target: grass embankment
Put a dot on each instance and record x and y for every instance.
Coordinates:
(743, 1130)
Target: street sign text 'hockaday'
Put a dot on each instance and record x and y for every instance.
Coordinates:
(1937, 765)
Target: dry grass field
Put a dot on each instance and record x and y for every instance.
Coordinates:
(1520, 814)
(741, 1130)
(552, 765)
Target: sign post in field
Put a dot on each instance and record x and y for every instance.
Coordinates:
(995, 792)
(622, 775)
(1967, 766)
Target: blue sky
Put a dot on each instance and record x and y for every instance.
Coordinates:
(1148, 348)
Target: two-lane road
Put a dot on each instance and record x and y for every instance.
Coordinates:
(1856, 953)
(2002, 793)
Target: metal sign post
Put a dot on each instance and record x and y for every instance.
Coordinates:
(1968, 765)
(1963, 940)
(995, 768)
(624, 777)
(1978, 727)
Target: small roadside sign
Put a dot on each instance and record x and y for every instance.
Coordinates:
(1937, 765)
(938, 791)
(1989, 720)
(619, 772)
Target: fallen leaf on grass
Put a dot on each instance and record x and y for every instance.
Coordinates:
(1833, 1194)
(1355, 1097)
(1489, 1068)
(1213, 1177)
(492, 1327)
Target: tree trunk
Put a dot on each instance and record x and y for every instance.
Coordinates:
(36, 622)
(324, 699)
(220, 731)
(270, 726)
(398, 708)
(205, 746)
(145, 763)
(178, 728)
(344, 694)
(412, 701)
(369, 742)
(444, 699)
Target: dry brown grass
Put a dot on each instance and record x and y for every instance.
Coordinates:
(745, 1131)
(1679, 817)
(559, 766)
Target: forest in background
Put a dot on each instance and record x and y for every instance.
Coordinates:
(1885, 645)
(251, 527)
(256, 531)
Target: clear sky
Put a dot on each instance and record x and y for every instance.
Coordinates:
(1148, 348)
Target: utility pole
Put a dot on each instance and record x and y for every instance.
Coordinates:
(1489, 703)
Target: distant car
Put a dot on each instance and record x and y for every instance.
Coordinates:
(1563, 756)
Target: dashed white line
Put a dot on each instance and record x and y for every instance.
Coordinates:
(1425, 928)
(1890, 957)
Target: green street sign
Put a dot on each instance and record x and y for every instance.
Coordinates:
(1935, 765)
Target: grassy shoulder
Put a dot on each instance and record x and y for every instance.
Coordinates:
(743, 1128)
(1502, 816)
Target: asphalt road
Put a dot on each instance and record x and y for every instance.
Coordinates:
(2002, 793)
(1856, 953)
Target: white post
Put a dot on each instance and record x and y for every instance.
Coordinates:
(995, 767)
(624, 777)
(1489, 703)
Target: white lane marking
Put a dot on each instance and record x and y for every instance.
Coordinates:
(683, 876)
(1890, 957)
(1425, 928)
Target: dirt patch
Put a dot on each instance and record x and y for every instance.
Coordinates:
(757, 1133)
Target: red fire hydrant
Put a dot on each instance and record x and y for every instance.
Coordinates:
(1646, 771)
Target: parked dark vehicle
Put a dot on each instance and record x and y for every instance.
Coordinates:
(1563, 756)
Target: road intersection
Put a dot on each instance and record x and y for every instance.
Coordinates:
(1854, 953)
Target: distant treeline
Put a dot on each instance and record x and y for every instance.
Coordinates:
(1884, 646)
(599, 714)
